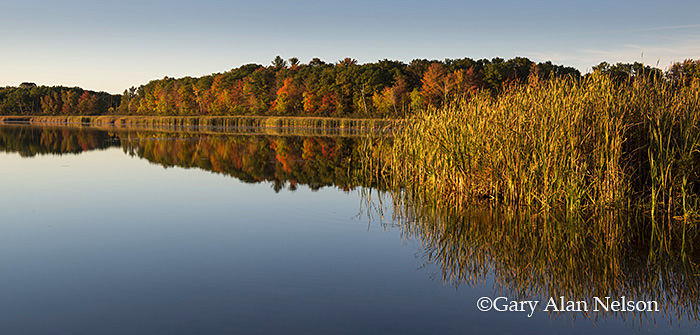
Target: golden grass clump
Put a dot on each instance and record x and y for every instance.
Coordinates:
(579, 144)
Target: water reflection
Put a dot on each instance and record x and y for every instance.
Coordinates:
(525, 255)
(312, 161)
(30, 141)
(538, 256)
(285, 161)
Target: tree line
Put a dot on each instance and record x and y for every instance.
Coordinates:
(287, 87)
(30, 99)
(386, 88)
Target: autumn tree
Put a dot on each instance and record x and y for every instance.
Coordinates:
(51, 103)
(289, 98)
(86, 104)
(70, 102)
(256, 89)
(434, 84)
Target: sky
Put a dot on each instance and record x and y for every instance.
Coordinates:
(113, 45)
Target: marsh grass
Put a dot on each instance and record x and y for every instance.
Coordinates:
(315, 125)
(584, 147)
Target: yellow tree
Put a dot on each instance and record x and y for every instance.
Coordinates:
(289, 98)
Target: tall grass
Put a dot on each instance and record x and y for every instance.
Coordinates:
(582, 145)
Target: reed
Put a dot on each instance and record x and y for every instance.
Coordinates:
(582, 145)
(318, 125)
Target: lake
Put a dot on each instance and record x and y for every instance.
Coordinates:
(115, 231)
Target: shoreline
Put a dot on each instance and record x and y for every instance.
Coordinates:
(273, 125)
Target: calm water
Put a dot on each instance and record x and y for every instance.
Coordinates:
(135, 232)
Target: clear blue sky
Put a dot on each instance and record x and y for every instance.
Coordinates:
(112, 45)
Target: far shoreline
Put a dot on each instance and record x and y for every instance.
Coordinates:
(280, 125)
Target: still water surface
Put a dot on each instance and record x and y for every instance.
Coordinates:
(135, 232)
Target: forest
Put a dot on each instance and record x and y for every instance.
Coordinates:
(30, 99)
(382, 89)
(385, 89)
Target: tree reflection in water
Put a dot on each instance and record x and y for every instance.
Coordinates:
(285, 161)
